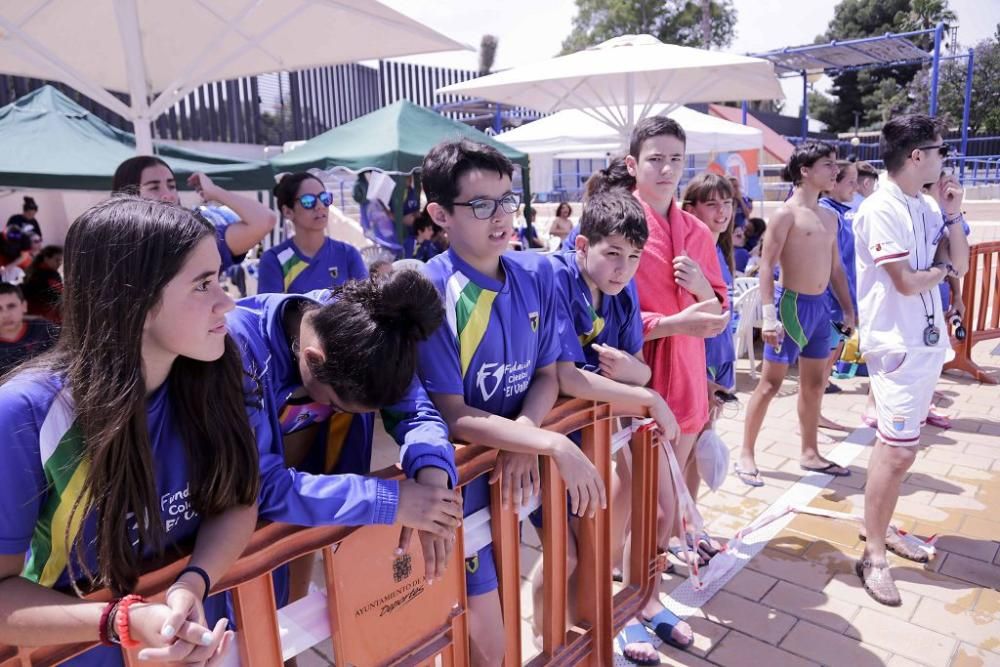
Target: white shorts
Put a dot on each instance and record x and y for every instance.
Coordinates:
(903, 386)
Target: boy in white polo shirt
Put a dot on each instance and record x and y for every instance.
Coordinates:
(905, 247)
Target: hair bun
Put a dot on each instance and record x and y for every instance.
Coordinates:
(406, 302)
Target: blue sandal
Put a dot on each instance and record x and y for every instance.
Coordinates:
(663, 625)
(635, 633)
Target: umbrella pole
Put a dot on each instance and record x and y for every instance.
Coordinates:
(143, 136)
(528, 210)
(629, 103)
(135, 69)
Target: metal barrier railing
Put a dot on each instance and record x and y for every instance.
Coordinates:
(429, 624)
(981, 296)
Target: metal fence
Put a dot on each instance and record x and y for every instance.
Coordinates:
(279, 107)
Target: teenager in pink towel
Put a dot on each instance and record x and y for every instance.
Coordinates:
(683, 299)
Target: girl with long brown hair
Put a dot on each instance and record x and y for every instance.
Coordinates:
(132, 435)
(711, 198)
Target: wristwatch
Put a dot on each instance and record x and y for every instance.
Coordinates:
(948, 268)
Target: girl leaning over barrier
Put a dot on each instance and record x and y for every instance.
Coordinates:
(142, 410)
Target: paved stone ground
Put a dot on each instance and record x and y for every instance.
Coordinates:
(798, 602)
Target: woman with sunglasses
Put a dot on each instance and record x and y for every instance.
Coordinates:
(309, 260)
(240, 222)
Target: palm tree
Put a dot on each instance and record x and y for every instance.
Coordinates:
(487, 54)
(925, 15)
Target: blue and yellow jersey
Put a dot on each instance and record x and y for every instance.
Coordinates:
(284, 269)
(498, 333)
(617, 322)
(344, 440)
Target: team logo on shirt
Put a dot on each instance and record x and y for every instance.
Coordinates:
(489, 374)
(334, 271)
(533, 318)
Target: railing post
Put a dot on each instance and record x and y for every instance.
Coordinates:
(253, 605)
(981, 287)
(645, 478)
(555, 536)
(507, 554)
(594, 552)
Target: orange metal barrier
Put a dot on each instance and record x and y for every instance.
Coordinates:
(981, 296)
(382, 613)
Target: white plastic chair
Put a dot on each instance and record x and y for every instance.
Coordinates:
(409, 264)
(746, 302)
(742, 284)
(373, 253)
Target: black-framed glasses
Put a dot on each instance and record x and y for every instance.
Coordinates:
(942, 149)
(484, 209)
(309, 201)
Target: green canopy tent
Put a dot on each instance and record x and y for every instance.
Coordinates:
(49, 141)
(393, 139)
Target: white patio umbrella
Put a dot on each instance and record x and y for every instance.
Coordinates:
(607, 81)
(158, 51)
(574, 133)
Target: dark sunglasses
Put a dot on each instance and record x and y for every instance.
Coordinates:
(942, 149)
(309, 201)
(483, 209)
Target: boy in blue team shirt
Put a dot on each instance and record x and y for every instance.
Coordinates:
(601, 325)
(421, 244)
(601, 329)
(491, 369)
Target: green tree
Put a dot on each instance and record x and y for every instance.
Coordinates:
(984, 111)
(877, 93)
(670, 21)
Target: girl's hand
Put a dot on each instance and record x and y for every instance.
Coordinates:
(203, 185)
(146, 623)
(184, 601)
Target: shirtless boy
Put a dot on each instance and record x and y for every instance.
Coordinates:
(801, 238)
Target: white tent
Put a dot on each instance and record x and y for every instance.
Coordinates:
(575, 134)
(158, 51)
(607, 81)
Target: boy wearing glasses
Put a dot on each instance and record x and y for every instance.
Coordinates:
(906, 246)
(309, 260)
(802, 239)
(491, 369)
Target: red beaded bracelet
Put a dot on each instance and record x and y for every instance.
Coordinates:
(121, 620)
(105, 628)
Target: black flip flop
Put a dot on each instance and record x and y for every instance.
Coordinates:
(826, 469)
